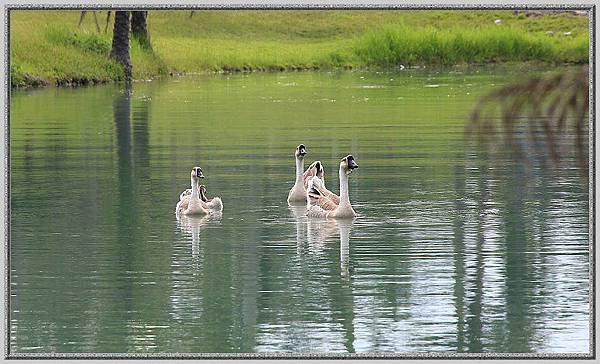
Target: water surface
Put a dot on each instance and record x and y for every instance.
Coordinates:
(456, 249)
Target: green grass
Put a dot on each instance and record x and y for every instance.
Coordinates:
(49, 45)
(87, 42)
(17, 77)
(393, 45)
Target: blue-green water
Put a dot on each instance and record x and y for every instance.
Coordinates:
(456, 248)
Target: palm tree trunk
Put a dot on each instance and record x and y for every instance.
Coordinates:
(107, 21)
(120, 42)
(139, 28)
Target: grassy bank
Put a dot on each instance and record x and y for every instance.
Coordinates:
(48, 46)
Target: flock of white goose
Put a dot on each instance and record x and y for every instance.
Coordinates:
(309, 188)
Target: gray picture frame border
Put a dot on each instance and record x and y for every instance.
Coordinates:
(5, 13)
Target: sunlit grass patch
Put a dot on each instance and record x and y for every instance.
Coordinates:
(395, 45)
(192, 55)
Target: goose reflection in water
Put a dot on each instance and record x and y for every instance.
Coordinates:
(193, 225)
(316, 232)
(344, 228)
(299, 216)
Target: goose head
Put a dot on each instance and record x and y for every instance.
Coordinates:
(316, 169)
(348, 164)
(196, 173)
(202, 191)
(300, 151)
(319, 172)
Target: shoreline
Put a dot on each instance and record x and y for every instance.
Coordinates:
(35, 82)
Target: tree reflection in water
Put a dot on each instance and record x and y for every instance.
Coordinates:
(549, 112)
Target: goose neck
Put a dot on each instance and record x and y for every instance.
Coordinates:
(299, 169)
(344, 197)
(194, 189)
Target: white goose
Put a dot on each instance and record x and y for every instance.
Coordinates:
(191, 204)
(319, 205)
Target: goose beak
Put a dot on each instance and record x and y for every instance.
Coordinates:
(199, 173)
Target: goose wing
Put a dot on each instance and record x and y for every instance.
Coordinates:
(185, 193)
(329, 195)
(183, 203)
(315, 197)
(322, 201)
(215, 204)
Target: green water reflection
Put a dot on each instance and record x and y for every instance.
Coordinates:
(455, 249)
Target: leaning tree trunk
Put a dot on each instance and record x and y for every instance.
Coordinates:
(120, 42)
(139, 28)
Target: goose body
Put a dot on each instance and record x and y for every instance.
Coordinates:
(315, 196)
(191, 204)
(214, 204)
(320, 205)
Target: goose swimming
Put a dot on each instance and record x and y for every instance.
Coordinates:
(192, 204)
(319, 205)
(298, 191)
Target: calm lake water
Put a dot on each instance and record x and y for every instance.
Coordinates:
(456, 248)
